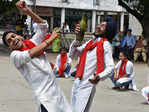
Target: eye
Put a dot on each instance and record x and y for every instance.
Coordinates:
(13, 36)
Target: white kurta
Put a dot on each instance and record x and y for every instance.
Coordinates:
(83, 91)
(68, 61)
(38, 73)
(129, 71)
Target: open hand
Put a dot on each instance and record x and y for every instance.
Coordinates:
(95, 80)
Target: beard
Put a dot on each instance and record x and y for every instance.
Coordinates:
(97, 35)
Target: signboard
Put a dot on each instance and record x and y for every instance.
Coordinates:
(43, 11)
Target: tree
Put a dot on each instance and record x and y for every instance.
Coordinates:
(7, 6)
(139, 9)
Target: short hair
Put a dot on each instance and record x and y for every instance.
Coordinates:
(63, 48)
(125, 53)
(4, 37)
(129, 30)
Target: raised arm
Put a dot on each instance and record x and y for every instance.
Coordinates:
(76, 48)
(22, 57)
(36, 50)
(22, 6)
(40, 26)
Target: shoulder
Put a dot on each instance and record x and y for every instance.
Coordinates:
(107, 45)
(14, 53)
(129, 63)
(17, 54)
(58, 56)
(119, 62)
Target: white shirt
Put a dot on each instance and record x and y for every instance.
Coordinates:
(83, 89)
(129, 67)
(38, 73)
(91, 58)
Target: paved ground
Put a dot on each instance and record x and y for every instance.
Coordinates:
(16, 95)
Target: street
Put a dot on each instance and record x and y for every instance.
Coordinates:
(16, 94)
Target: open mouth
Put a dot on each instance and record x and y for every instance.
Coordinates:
(16, 42)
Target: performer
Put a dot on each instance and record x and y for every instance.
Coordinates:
(31, 60)
(123, 73)
(145, 93)
(96, 63)
(63, 63)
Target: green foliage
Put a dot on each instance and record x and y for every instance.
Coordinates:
(141, 6)
(7, 7)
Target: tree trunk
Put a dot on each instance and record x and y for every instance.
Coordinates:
(145, 25)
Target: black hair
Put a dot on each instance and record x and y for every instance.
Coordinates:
(129, 30)
(63, 48)
(4, 37)
(125, 53)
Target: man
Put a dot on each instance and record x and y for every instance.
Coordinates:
(63, 63)
(128, 43)
(123, 73)
(95, 63)
(140, 49)
(30, 59)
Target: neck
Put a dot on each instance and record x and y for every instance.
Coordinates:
(23, 46)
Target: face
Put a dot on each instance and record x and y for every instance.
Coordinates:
(129, 33)
(121, 56)
(121, 34)
(63, 51)
(100, 29)
(14, 41)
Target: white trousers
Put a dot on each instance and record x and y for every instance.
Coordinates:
(145, 93)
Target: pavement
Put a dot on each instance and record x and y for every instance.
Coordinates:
(16, 95)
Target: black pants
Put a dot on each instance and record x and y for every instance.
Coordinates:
(43, 109)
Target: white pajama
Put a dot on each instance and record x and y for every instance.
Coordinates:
(82, 90)
(38, 73)
(145, 93)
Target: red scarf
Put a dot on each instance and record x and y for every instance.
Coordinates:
(99, 54)
(122, 71)
(52, 65)
(63, 60)
(29, 44)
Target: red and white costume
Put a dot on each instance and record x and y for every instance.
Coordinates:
(83, 91)
(38, 73)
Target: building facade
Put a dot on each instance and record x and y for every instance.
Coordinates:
(58, 12)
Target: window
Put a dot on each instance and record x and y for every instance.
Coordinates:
(96, 2)
(64, 0)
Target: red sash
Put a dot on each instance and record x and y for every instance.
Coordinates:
(99, 54)
(122, 70)
(63, 60)
(29, 44)
(52, 65)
